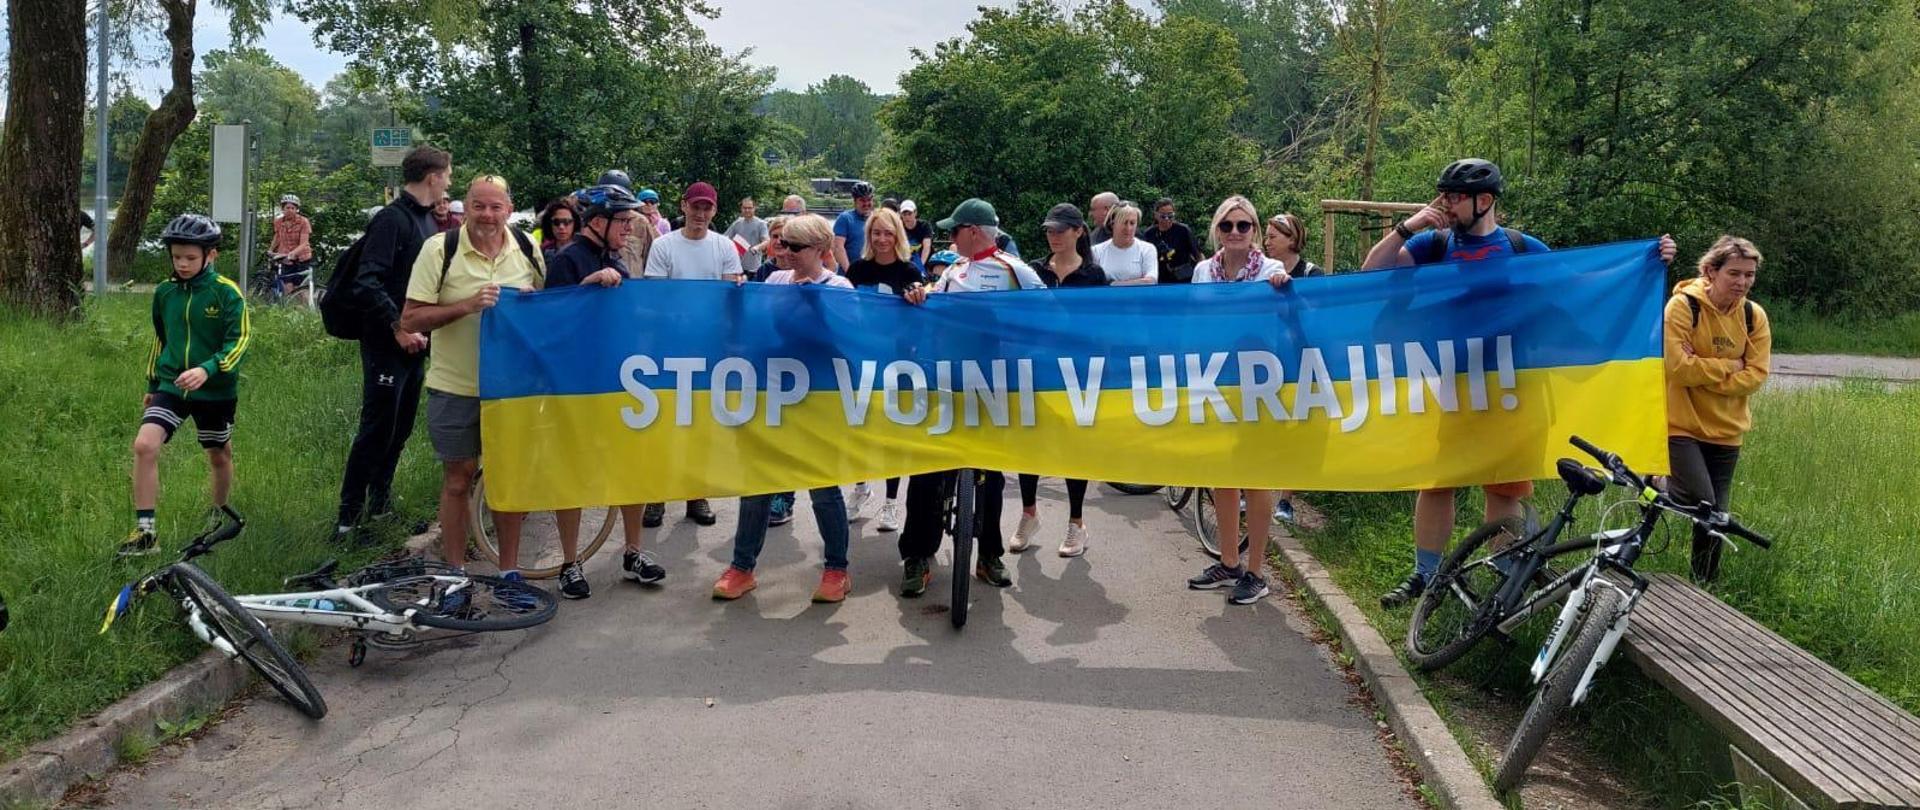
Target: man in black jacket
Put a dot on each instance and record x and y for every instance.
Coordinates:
(392, 360)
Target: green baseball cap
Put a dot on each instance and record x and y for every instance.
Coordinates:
(974, 211)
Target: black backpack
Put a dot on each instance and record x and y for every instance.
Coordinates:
(1693, 305)
(1439, 247)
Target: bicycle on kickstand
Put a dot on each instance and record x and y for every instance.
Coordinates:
(387, 605)
(1480, 591)
(540, 554)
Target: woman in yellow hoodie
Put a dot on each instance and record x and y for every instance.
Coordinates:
(1718, 344)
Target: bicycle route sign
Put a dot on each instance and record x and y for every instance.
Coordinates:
(390, 145)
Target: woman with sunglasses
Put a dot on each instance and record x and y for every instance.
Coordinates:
(808, 241)
(1286, 238)
(885, 265)
(557, 227)
(1238, 259)
(1127, 259)
(1069, 263)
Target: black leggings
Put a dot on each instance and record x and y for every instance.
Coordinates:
(1702, 472)
(893, 489)
(1076, 493)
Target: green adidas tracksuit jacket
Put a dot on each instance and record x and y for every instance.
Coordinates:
(198, 322)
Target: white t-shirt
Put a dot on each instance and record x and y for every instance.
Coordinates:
(712, 257)
(1259, 268)
(826, 277)
(1138, 260)
(993, 273)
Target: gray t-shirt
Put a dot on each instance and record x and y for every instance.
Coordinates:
(754, 231)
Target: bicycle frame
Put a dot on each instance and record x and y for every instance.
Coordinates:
(364, 614)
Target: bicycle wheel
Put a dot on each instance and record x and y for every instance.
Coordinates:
(1457, 609)
(1555, 694)
(1134, 489)
(963, 534)
(1207, 522)
(243, 630)
(1177, 497)
(493, 603)
(540, 554)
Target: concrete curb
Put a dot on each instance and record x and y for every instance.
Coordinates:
(1455, 782)
(46, 771)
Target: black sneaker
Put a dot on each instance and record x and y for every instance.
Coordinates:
(914, 576)
(1216, 576)
(993, 572)
(1250, 588)
(573, 582)
(1405, 592)
(640, 567)
(699, 512)
(139, 543)
(655, 515)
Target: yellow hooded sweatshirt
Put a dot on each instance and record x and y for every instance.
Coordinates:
(1707, 391)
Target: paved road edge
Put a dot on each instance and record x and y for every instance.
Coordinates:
(1442, 762)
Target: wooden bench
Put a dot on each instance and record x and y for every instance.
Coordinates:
(1803, 734)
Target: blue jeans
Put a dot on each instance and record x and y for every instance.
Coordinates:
(829, 509)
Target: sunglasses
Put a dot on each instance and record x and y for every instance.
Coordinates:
(627, 221)
(563, 223)
(1163, 215)
(1231, 225)
(794, 247)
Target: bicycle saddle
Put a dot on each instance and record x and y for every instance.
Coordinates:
(1581, 480)
(321, 577)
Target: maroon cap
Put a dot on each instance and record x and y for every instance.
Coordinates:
(700, 191)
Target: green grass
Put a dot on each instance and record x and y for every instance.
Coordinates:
(73, 401)
(1798, 331)
(1828, 473)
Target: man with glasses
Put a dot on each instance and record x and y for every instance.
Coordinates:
(983, 267)
(1460, 225)
(693, 252)
(611, 217)
(1174, 241)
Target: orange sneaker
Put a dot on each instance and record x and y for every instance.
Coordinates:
(733, 584)
(834, 586)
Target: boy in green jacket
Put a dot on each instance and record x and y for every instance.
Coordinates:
(200, 332)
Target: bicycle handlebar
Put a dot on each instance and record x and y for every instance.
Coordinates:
(1702, 513)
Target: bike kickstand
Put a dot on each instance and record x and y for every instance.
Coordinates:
(357, 655)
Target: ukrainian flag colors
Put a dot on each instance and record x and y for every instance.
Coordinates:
(1442, 375)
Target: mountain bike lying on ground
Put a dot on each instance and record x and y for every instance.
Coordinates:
(1491, 584)
(386, 604)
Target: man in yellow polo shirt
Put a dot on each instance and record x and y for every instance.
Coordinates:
(445, 297)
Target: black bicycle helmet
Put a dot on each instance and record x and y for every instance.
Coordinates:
(862, 189)
(1471, 176)
(191, 229)
(608, 199)
(615, 177)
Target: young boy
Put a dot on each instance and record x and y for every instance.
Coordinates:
(200, 335)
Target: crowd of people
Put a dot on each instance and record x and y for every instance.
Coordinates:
(419, 286)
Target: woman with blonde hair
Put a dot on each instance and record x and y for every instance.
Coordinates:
(885, 265)
(1127, 258)
(1238, 259)
(1718, 343)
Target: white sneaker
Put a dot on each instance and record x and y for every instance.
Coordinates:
(1023, 536)
(890, 516)
(862, 495)
(1076, 542)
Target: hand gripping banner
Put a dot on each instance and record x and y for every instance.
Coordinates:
(1442, 375)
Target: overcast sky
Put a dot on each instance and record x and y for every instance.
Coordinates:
(806, 40)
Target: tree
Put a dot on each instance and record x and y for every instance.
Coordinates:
(1034, 107)
(352, 104)
(165, 124)
(40, 154)
(836, 118)
(126, 117)
(247, 84)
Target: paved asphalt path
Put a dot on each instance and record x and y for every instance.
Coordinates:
(1098, 682)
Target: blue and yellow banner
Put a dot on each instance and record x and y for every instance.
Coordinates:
(1440, 375)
